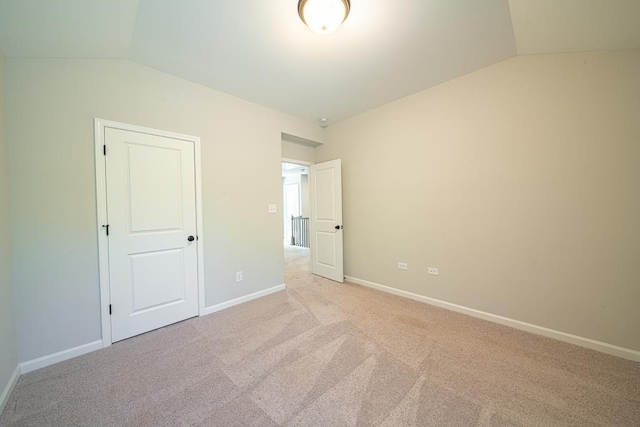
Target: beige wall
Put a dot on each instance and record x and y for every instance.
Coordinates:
(8, 355)
(521, 182)
(291, 150)
(52, 104)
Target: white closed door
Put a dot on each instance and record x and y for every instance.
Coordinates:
(325, 182)
(151, 209)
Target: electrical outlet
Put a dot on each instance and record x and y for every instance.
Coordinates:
(403, 266)
(272, 208)
(433, 271)
(239, 276)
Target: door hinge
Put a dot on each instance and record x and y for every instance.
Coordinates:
(104, 149)
(106, 227)
(109, 309)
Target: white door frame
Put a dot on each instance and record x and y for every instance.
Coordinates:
(101, 193)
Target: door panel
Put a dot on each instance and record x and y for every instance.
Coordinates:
(157, 279)
(154, 182)
(325, 181)
(326, 248)
(151, 211)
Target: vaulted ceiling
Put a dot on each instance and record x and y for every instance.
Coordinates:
(259, 50)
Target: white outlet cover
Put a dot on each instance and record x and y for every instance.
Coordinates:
(239, 276)
(433, 271)
(273, 208)
(403, 266)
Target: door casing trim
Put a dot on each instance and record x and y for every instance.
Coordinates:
(101, 206)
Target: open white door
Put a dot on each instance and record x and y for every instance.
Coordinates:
(325, 182)
(151, 206)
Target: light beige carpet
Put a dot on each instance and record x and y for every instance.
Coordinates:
(325, 354)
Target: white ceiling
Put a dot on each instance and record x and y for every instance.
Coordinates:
(260, 51)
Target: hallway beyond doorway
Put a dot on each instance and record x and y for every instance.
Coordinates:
(296, 259)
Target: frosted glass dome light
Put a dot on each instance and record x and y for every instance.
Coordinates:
(323, 16)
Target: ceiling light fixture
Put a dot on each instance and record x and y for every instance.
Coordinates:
(323, 16)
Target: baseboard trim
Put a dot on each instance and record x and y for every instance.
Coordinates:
(51, 359)
(13, 380)
(246, 298)
(61, 356)
(528, 327)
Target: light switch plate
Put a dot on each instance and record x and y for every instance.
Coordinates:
(273, 208)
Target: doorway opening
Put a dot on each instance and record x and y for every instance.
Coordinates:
(296, 211)
(321, 231)
(295, 206)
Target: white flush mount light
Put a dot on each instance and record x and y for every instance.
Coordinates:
(323, 16)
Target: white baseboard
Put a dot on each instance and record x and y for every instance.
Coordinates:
(539, 330)
(246, 298)
(60, 356)
(4, 397)
(41, 362)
